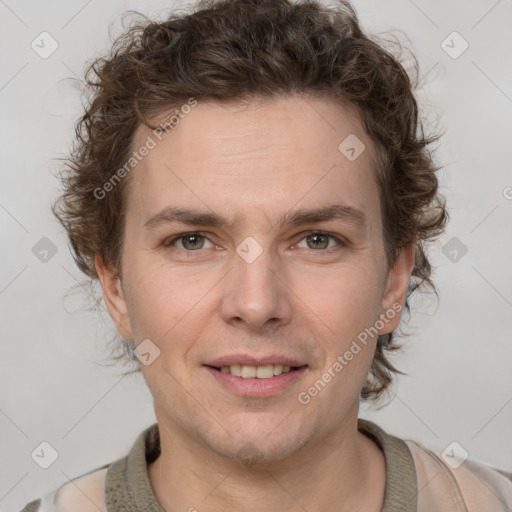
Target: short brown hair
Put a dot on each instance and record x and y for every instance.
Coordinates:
(240, 50)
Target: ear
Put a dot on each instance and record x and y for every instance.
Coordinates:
(114, 297)
(396, 288)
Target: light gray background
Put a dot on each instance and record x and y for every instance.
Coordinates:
(458, 358)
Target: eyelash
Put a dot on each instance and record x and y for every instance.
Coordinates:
(168, 243)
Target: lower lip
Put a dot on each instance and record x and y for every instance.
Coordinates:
(257, 388)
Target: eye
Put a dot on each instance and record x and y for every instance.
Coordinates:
(190, 242)
(320, 240)
(194, 241)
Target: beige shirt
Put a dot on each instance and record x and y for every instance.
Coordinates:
(417, 480)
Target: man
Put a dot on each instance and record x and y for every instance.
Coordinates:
(252, 192)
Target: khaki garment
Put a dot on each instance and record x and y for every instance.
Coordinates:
(417, 480)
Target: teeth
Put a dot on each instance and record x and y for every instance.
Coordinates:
(235, 370)
(249, 372)
(258, 372)
(278, 369)
(265, 372)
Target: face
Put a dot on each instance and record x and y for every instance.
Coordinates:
(251, 240)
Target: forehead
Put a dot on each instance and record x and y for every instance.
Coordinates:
(261, 158)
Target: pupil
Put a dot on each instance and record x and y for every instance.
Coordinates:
(316, 237)
(192, 237)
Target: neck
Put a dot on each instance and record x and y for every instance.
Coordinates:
(345, 471)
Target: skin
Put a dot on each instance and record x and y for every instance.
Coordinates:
(252, 164)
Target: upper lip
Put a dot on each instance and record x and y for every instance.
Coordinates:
(248, 360)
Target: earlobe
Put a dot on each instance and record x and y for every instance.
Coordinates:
(114, 297)
(396, 287)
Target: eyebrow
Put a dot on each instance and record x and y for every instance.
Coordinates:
(341, 212)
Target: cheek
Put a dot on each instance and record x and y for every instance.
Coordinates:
(346, 300)
(343, 312)
(162, 301)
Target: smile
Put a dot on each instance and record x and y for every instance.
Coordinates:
(256, 381)
(256, 372)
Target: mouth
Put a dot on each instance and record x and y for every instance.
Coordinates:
(256, 381)
(267, 371)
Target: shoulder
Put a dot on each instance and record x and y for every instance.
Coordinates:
(459, 484)
(83, 494)
(107, 484)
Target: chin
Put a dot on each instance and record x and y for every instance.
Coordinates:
(260, 443)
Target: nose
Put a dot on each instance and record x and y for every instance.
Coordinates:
(256, 293)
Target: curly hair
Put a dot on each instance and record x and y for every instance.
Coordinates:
(241, 50)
